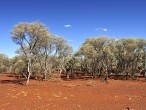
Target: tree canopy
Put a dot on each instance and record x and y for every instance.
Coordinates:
(42, 54)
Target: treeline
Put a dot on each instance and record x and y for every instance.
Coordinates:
(120, 57)
(44, 55)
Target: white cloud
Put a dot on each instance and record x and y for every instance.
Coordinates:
(70, 40)
(101, 29)
(68, 26)
(105, 29)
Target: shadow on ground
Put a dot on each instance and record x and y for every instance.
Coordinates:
(11, 82)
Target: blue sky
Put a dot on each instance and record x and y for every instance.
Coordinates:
(75, 20)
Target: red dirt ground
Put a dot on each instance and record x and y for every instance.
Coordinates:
(72, 95)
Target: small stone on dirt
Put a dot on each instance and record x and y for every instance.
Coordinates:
(65, 98)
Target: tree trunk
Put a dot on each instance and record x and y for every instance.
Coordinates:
(145, 65)
(29, 71)
(127, 77)
(29, 74)
(67, 76)
(106, 75)
(145, 75)
(45, 74)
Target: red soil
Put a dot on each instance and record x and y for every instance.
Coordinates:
(72, 95)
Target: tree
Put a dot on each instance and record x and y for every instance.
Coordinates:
(44, 55)
(4, 63)
(96, 54)
(29, 36)
(129, 53)
(62, 53)
(18, 66)
(122, 57)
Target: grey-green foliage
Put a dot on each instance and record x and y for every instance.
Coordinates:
(95, 52)
(103, 55)
(29, 36)
(18, 65)
(129, 55)
(52, 54)
(43, 52)
(62, 53)
(4, 63)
